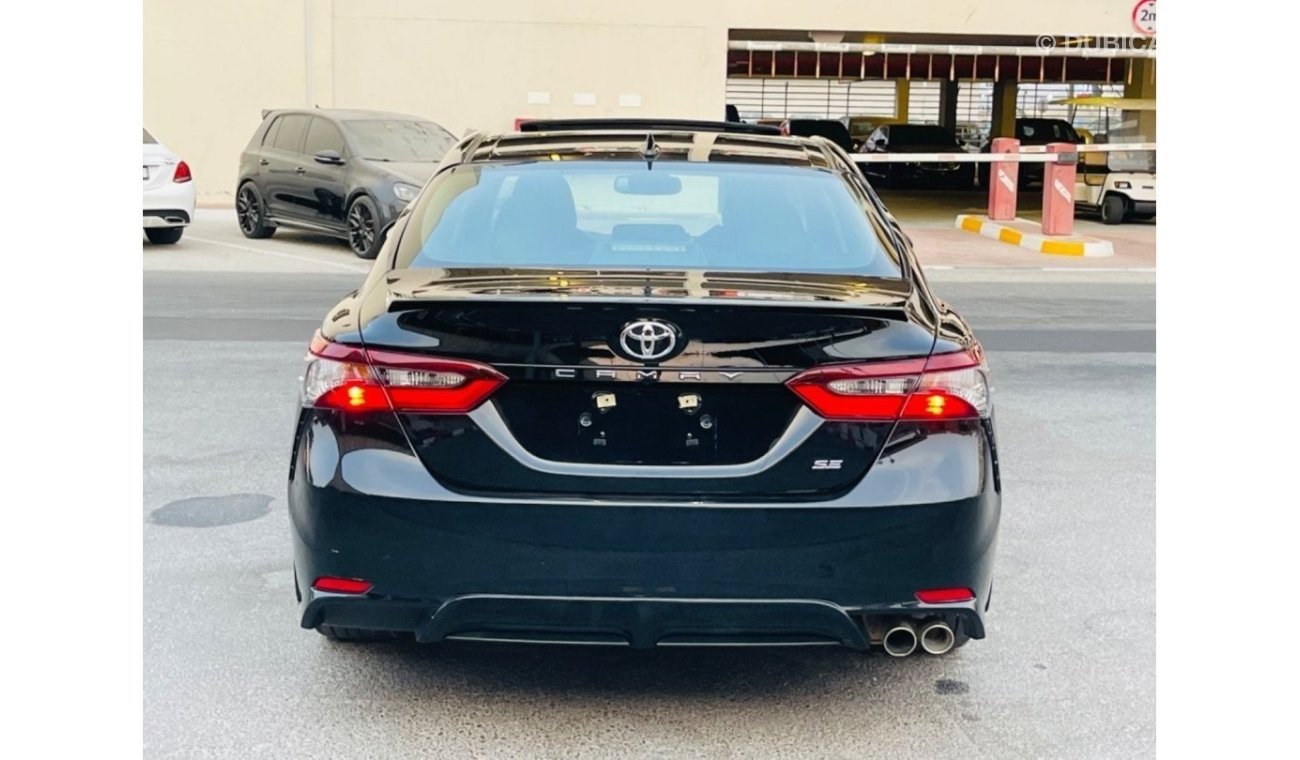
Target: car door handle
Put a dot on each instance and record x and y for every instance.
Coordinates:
(299, 170)
(263, 162)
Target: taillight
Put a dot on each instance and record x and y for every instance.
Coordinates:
(943, 387)
(355, 379)
(182, 173)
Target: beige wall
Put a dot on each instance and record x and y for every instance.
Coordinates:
(210, 67)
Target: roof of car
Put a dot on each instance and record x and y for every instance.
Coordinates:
(344, 114)
(660, 141)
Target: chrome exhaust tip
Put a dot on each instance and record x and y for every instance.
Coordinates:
(900, 640)
(937, 637)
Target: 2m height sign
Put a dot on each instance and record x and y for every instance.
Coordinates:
(1144, 17)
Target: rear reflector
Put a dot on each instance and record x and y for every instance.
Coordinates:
(944, 387)
(342, 585)
(351, 378)
(182, 173)
(945, 595)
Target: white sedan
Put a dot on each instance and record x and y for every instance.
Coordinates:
(168, 193)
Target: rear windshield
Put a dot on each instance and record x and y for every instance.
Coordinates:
(1047, 130)
(920, 134)
(394, 140)
(616, 213)
(834, 131)
(148, 138)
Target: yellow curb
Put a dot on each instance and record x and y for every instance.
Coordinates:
(1063, 248)
(1084, 246)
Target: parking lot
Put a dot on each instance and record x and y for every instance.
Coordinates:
(1068, 668)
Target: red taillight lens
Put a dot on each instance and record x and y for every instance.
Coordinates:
(354, 379)
(342, 585)
(182, 173)
(943, 387)
(945, 595)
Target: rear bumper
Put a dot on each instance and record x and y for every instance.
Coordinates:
(1144, 208)
(445, 566)
(171, 205)
(171, 217)
(640, 623)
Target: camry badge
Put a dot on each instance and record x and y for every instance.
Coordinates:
(648, 339)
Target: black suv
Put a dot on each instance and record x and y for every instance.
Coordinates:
(345, 173)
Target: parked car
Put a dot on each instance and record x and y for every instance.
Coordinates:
(669, 392)
(345, 173)
(832, 129)
(168, 193)
(861, 126)
(1117, 186)
(917, 138)
(972, 136)
(1033, 132)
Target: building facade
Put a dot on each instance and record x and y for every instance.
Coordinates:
(210, 68)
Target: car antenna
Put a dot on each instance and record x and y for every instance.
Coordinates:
(650, 151)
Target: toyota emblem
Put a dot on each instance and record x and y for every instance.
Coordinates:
(648, 339)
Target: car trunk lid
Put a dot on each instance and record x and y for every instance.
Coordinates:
(653, 384)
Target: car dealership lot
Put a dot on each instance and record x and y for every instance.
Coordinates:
(1067, 670)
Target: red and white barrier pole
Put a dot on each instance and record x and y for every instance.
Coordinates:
(1058, 190)
(1003, 179)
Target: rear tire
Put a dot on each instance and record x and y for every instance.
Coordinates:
(336, 633)
(164, 235)
(1113, 209)
(251, 213)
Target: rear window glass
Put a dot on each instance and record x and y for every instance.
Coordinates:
(1047, 131)
(920, 134)
(623, 214)
(148, 138)
(834, 131)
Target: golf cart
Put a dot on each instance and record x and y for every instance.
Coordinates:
(1118, 186)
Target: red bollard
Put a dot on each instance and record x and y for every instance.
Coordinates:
(1003, 179)
(1058, 189)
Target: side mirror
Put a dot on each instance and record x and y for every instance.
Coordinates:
(330, 157)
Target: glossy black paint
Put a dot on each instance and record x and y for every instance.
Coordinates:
(463, 538)
(368, 509)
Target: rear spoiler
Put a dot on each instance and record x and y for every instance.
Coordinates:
(622, 125)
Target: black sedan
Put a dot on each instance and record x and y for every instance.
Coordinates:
(917, 138)
(646, 384)
(340, 172)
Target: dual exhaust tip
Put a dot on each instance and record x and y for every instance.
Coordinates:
(932, 636)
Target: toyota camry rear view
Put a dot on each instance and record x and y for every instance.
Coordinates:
(646, 384)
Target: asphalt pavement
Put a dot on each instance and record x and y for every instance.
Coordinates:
(1067, 670)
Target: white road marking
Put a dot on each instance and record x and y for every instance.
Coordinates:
(281, 254)
(1098, 269)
